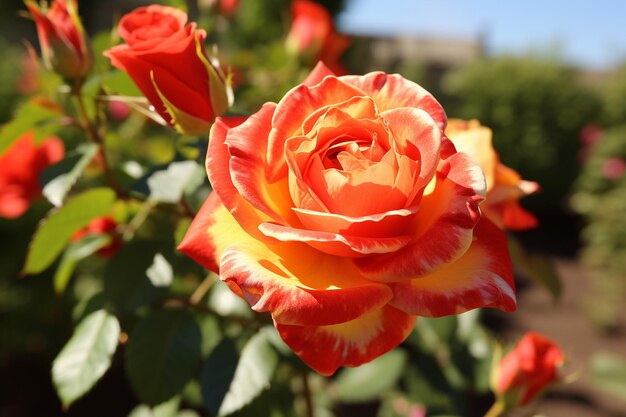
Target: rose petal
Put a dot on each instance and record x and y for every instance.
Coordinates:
(326, 348)
(187, 98)
(218, 169)
(360, 192)
(476, 141)
(417, 137)
(335, 243)
(510, 215)
(391, 223)
(482, 277)
(359, 108)
(443, 226)
(199, 243)
(13, 202)
(297, 284)
(248, 169)
(294, 108)
(393, 91)
(317, 74)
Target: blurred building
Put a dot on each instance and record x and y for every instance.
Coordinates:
(420, 58)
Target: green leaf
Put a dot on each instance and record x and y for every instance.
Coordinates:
(217, 374)
(162, 356)
(126, 282)
(536, 267)
(55, 231)
(32, 115)
(256, 366)
(166, 409)
(160, 273)
(75, 252)
(252, 375)
(168, 185)
(369, 381)
(608, 373)
(59, 178)
(119, 82)
(86, 356)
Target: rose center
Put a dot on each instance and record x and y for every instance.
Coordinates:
(345, 150)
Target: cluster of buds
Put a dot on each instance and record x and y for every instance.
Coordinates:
(154, 55)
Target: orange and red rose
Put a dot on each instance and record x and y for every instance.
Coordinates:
(62, 38)
(504, 185)
(165, 57)
(526, 371)
(20, 167)
(312, 35)
(345, 212)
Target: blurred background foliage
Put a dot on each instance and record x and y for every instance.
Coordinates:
(537, 108)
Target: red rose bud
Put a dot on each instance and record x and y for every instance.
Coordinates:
(166, 60)
(20, 167)
(62, 38)
(104, 225)
(526, 371)
(312, 36)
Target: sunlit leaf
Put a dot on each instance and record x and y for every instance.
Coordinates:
(162, 355)
(160, 273)
(55, 231)
(168, 185)
(369, 381)
(86, 356)
(76, 251)
(167, 409)
(251, 376)
(59, 178)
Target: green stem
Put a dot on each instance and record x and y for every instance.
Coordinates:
(202, 289)
(94, 137)
(138, 219)
(306, 392)
(496, 410)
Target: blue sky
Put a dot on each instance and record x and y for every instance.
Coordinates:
(589, 33)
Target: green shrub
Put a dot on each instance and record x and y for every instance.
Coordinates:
(601, 197)
(614, 97)
(536, 109)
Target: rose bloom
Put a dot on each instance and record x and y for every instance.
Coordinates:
(20, 167)
(166, 60)
(528, 369)
(345, 212)
(504, 186)
(62, 38)
(104, 225)
(312, 35)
